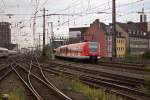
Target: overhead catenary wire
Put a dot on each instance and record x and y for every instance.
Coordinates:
(102, 10)
(4, 3)
(58, 11)
(123, 5)
(84, 13)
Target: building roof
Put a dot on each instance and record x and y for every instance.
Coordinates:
(134, 29)
(4, 23)
(103, 27)
(129, 26)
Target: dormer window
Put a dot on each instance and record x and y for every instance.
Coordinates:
(129, 31)
(138, 32)
(144, 33)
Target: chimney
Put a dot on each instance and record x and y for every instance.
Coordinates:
(143, 17)
(97, 20)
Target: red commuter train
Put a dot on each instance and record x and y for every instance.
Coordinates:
(85, 50)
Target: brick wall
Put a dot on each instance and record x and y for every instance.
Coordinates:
(96, 34)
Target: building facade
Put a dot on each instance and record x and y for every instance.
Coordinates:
(99, 32)
(120, 47)
(5, 34)
(137, 39)
(138, 45)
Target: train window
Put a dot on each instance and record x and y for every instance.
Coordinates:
(93, 46)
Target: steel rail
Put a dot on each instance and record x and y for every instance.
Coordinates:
(53, 86)
(107, 83)
(101, 73)
(6, 73)
(26, 84)
(124, 66)
(97, 86)
(42, 81)
(30, 83)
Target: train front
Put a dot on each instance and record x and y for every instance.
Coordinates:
(93, 51)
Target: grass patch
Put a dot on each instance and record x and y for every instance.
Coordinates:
(147, 80)
(92, 93)
(147, 68)
(15, 94)
(147, 84)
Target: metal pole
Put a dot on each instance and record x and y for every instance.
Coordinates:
(44, 32)
(39, 41)
(114, 27)
(52, 41)
(34, 24)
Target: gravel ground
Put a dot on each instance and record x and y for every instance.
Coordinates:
(12, 82)
(64, 85)
(106, 70)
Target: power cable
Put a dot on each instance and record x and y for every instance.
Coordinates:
(123, 5)
(3, 3)
(77, 2)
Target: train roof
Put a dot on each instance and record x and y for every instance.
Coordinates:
(82, 43)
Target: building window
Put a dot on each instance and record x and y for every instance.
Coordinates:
(129, 31)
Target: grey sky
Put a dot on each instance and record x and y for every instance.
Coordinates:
(23, 12)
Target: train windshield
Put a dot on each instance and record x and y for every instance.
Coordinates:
(93, 46)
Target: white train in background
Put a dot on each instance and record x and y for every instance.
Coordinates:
(4, 52)
(12, 52)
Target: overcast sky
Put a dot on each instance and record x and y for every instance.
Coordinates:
(84, 12)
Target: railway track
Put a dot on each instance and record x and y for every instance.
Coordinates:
(128, 64)
(124, 67)
(97, 72)
(32, 76)
(22, 75)
(31, 73)
(137, 67)
(124, 89)
(59, 93)
(4, 72)
(39, 83)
